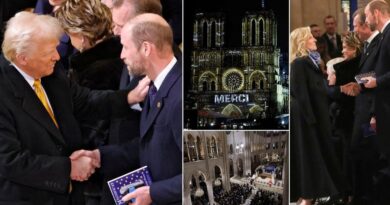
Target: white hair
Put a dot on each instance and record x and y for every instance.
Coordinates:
(24, 29)
(330, 63)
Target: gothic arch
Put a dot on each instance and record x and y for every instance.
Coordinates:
(232, 111)
(253, 33)
(196, 174)
(206, 79)
(205, 32)
(220, 171)
(257, 78)
(261, 32)
(256, 111)
(213, 33)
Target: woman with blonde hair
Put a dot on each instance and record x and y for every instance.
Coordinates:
(314, 169)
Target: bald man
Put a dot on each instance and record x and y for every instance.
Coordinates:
(147, 50)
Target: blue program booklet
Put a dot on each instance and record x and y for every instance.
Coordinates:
(129, 182)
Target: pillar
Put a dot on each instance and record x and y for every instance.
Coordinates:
(210, 191)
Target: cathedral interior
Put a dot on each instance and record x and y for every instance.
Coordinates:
(232, 167)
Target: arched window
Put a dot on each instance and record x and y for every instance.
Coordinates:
(253, 34)
(204, 86)
(261, 32)
(212, 86)
(253, 85)
(204, 36)
(213, 34)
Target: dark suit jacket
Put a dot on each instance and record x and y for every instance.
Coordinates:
(332, 51)
(365, 100)
(161, 139)
(382, 94)
(34, 163)
(160, 143)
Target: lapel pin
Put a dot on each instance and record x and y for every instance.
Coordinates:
(159, 104)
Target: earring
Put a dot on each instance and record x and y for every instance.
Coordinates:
(82, 45)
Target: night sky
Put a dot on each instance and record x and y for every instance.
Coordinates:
(234, 11)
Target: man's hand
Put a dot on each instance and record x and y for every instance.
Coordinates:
(331, 78)
(371, 82)
(351, 89)
(141, 196)
(82, 168)
(138, 93)
(94, 155)
(373, 123)
(84, 163)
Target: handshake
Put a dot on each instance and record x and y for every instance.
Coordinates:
(83, 164)
(351, 89)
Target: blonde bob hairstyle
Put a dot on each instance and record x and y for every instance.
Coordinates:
(352, 40)
(298, 40)
(24, 29)
(90, 18)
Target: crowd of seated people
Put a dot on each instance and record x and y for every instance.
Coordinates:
(237, 195)
(263, 197)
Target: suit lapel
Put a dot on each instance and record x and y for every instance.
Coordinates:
(31, 103)
(150, 113)
(371, 50)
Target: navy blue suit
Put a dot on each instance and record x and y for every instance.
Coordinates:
(160, 143)
(161, 139)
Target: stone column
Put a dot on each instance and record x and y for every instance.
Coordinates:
(210, 191)
(247, 154)
(196, 149)
(187, 197)
(188, 151)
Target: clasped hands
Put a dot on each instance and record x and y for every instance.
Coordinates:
(83, 164)
(351, 89)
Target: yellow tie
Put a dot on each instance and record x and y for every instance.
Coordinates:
(41, 95)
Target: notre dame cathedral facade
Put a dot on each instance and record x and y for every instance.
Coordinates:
(230, 85)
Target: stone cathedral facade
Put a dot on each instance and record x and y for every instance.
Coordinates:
(236, 83)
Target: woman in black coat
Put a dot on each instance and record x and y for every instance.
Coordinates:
(343, 89)
(314, 168)
(96, 65)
